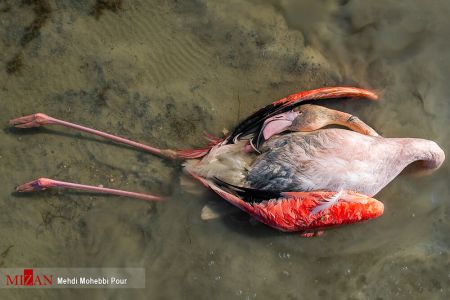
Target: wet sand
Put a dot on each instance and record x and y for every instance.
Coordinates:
(163, 72)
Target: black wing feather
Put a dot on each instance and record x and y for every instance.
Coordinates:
(249, 195)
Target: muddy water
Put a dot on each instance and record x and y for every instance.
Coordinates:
(163, 72)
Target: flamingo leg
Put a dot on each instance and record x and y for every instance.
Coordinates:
(40, 119)
(46, 183)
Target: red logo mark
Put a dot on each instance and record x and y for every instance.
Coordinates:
(29, 279)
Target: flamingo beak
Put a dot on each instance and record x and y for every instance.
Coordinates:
(352, 122)
(278, 123)
(313, 117)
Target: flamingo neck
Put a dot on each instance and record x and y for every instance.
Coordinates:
(428, 152)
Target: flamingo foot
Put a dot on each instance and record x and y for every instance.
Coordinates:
(309, 234)
(34, 120)
(35, 185)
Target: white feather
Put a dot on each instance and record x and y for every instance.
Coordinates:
(327, 203)
(226, 162)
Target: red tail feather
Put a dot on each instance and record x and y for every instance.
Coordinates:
(199, 153)
(192, 153)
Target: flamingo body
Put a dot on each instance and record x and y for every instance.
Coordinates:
(311, 179)
(335, 159)
(302, 171)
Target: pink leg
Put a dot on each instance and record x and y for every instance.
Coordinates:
(45, 183)
(39, 119)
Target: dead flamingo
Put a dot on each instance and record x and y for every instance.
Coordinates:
(307, 180)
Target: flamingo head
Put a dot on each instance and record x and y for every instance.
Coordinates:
(310, 117)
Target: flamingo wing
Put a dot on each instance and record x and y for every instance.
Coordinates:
(298, 211)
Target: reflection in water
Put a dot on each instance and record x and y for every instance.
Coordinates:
(164, 72)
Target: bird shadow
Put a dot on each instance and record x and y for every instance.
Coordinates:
(243, 224)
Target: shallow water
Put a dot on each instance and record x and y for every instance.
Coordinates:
(162, 72)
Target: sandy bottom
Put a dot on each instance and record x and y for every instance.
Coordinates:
(163, 72)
